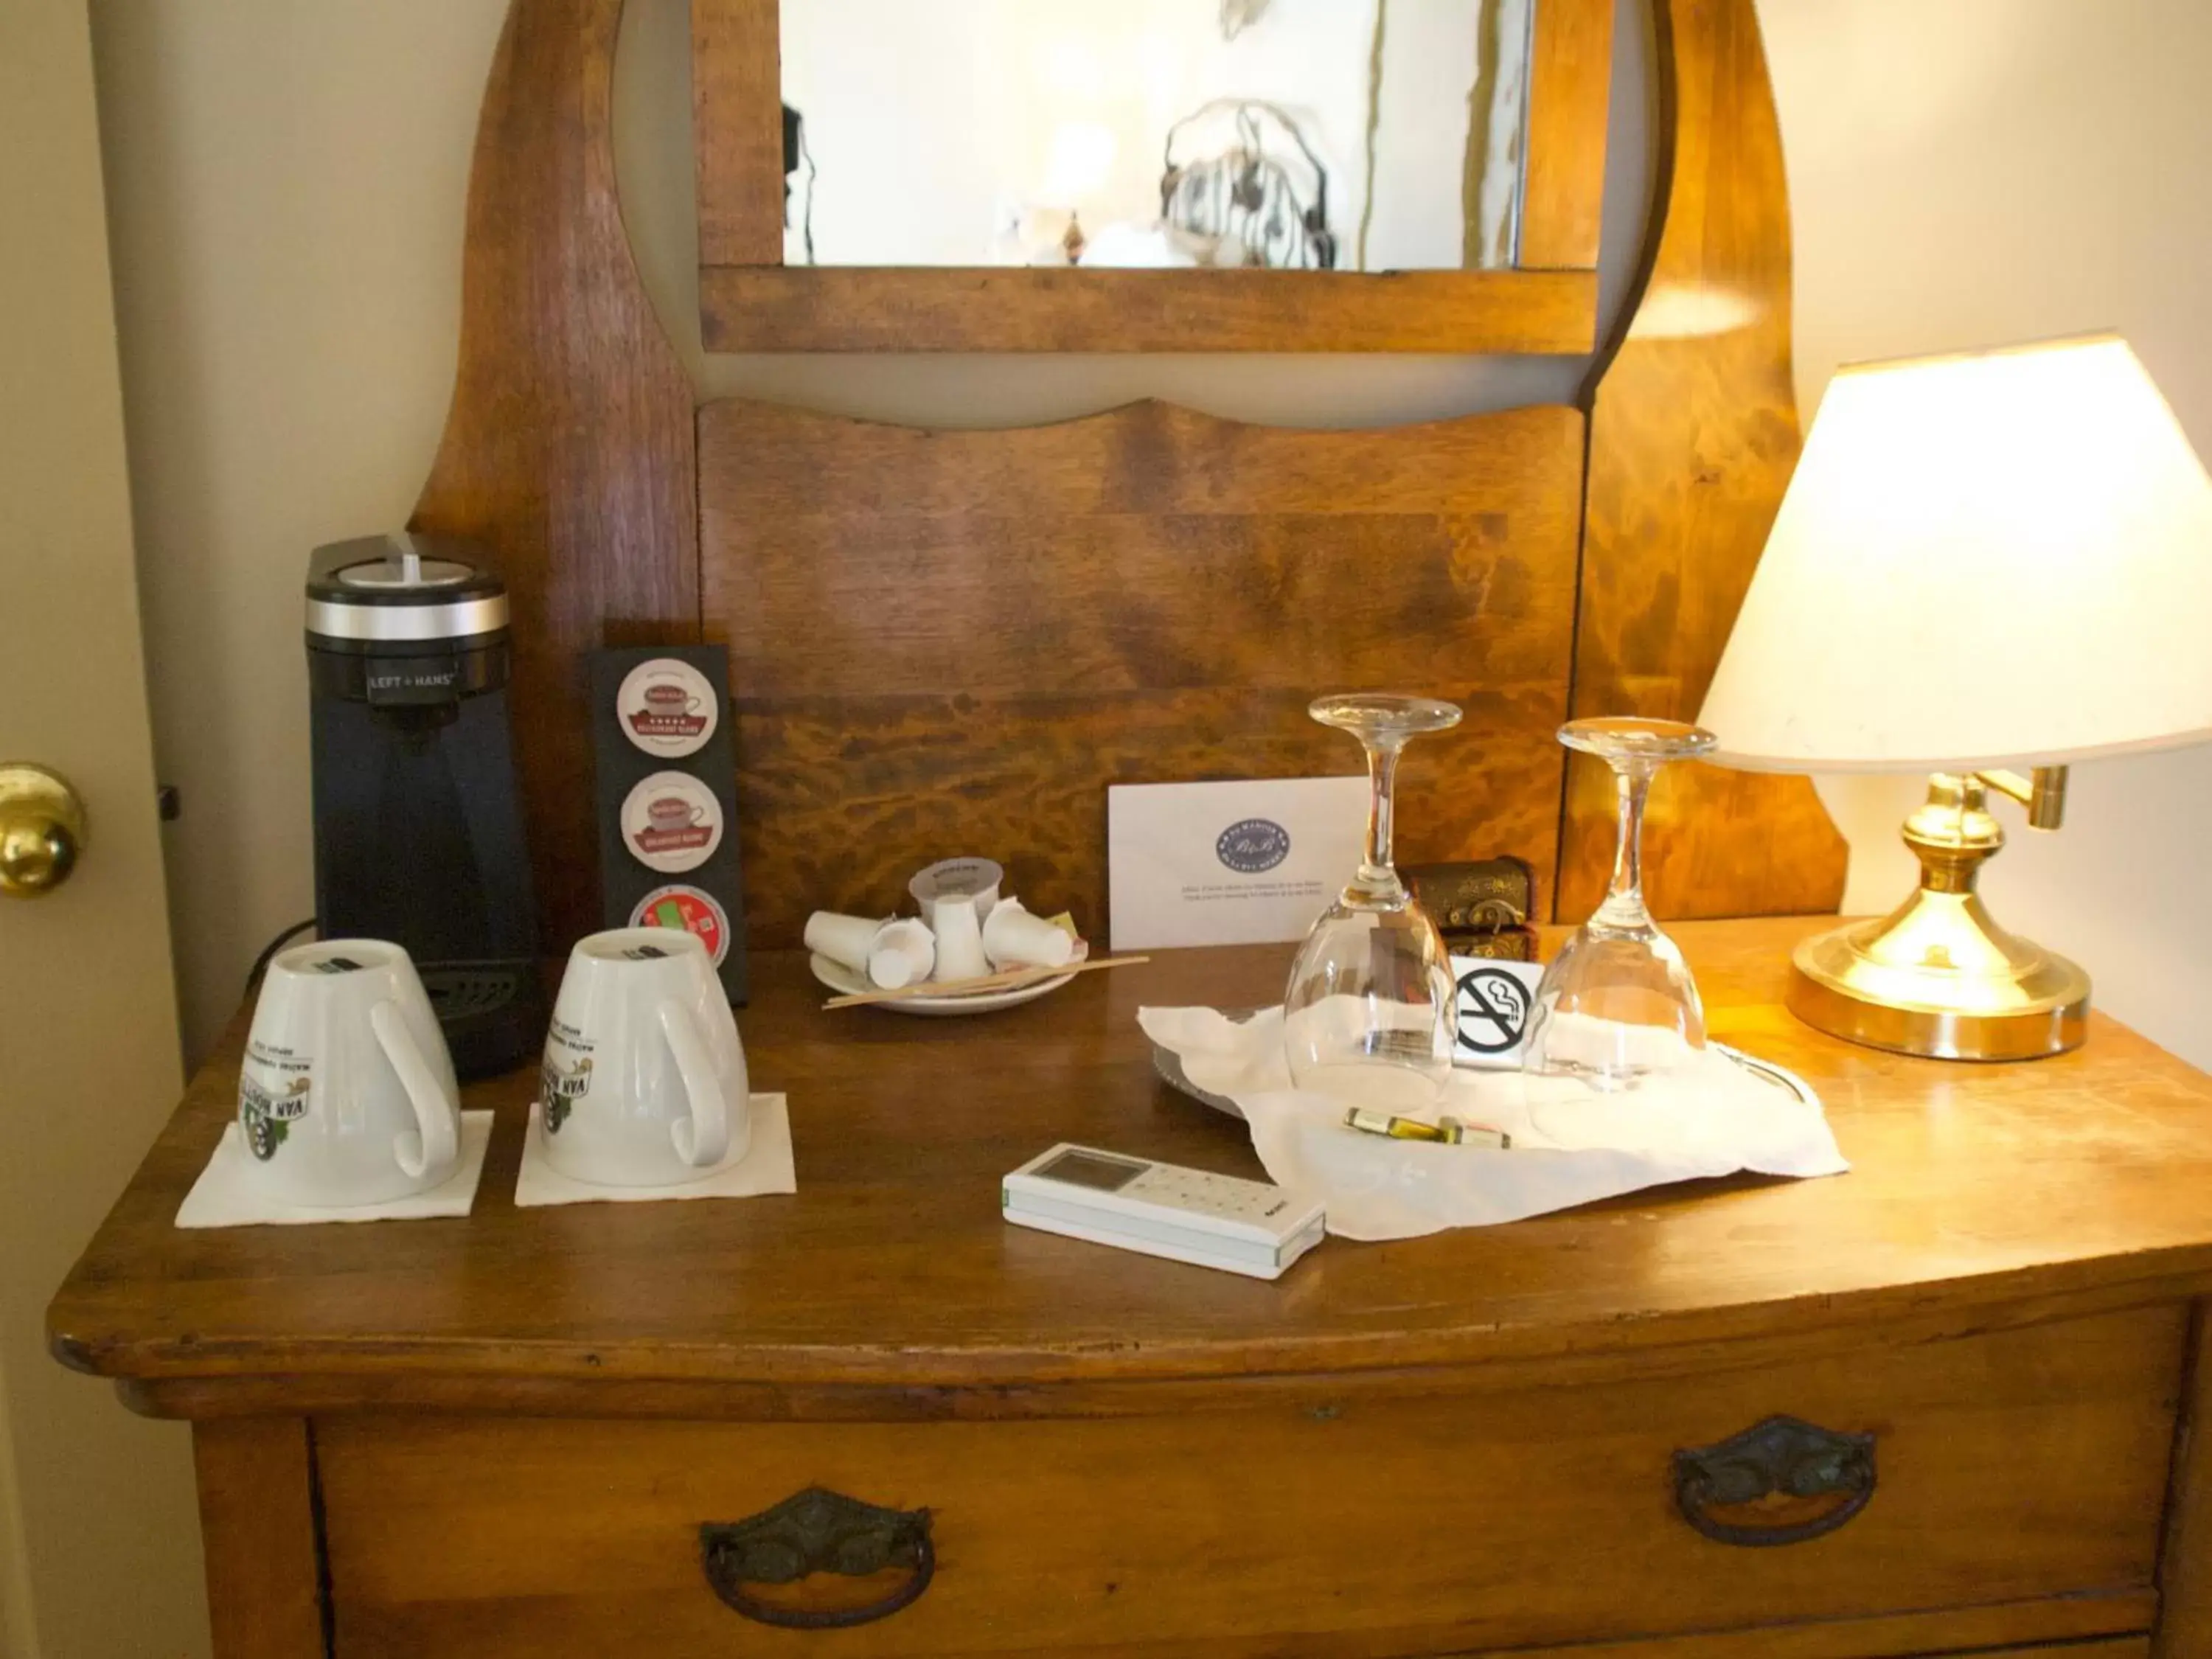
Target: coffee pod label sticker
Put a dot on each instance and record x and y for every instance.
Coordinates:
(666, 707)
(671, 822)
(691, 909)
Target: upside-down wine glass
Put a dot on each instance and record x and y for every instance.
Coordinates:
(1368, 1015)
(1618, 1003)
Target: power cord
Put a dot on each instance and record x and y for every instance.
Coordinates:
(268, 952)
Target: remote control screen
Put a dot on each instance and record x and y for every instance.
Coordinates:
(1105, 1175)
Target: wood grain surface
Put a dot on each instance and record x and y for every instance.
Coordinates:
(458, 1535)
(1570, 87)
(1950, 1631)
(953, 642)
(1693, 434)
(1015, 308)
(737, 120)
(261, 1538)
(568, 448)
(890, 1281)
(2185, 1624)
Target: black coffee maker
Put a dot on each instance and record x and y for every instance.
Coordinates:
(418, 826)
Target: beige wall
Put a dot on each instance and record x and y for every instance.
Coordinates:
(288, 184)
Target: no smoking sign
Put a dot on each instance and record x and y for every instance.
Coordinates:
(1494, 1002)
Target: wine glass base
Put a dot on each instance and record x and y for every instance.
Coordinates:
(1634, 739)
(1383, 715)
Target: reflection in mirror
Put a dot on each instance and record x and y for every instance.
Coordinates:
(1307, 135)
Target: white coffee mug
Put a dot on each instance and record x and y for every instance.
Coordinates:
(644, 1079)
(347, 1095)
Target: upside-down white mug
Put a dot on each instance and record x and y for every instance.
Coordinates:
(347, 1095)
(644, 1079)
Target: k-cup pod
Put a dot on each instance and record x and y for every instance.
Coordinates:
(974, 879)
(1012, 938)
(959, 942)
(900, 953)
(672, 821)
(846, 940)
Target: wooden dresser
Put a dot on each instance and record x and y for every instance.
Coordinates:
(503, 1435)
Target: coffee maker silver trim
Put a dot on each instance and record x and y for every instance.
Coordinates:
(460, 619)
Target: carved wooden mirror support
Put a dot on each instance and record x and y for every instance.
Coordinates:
(574, 450)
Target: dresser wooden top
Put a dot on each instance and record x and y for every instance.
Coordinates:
(2079, 1182)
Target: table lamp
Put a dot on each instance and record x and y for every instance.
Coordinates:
(1984, 562)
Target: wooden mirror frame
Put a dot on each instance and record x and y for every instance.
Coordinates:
(750, 301)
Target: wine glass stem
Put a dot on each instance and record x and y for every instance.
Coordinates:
(1378, 879)
(1624, 900)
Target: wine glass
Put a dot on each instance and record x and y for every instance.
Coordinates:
(1368, 1015)
(1618, 1003)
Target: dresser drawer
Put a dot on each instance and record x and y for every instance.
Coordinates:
(2012, 1466)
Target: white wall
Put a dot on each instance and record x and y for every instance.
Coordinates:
(1969, 171)
(288, 184)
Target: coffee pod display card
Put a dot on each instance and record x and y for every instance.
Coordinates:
(1239, 863)
(666, 794)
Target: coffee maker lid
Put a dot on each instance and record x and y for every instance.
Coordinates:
(402, 589)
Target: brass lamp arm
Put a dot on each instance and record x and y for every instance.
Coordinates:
(2043, 793)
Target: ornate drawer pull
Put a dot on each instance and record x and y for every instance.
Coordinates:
(818, 1531)
(1780, 1455)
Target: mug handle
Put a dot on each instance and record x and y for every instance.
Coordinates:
(702, 1138)
(433, 1113)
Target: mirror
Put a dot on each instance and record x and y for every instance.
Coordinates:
(1302, 135)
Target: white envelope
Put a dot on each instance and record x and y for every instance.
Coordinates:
(1242, 863)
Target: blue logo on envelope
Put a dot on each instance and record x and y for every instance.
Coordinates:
(1252, 845)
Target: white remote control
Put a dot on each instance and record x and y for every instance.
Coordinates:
(1246, 1227)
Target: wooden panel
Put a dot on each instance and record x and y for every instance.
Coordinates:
(2185, 1631)
(737, 99)
(1974, 1189)
(1693, 434)
(1949, 1632)
(1383, 1528)
(1570, 86)
(262, 1539)
(952, 642)
(875, 309)
(568, 448)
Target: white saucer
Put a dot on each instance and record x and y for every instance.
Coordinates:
(843, 981)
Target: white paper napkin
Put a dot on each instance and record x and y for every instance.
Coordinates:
(228, 1195)
(765, 1168)
(1571, 1144)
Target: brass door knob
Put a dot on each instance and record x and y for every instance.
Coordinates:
(42, 829)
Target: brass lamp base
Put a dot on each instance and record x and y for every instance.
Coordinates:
(1938, 977)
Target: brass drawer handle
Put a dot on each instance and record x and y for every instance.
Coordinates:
(818, 1531)
(1781, 1456)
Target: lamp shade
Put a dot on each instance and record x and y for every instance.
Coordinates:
(2002, 559)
